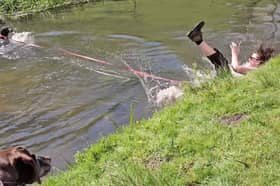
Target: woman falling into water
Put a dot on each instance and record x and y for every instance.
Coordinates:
(221, 64)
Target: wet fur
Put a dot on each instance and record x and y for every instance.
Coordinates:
(19, 167)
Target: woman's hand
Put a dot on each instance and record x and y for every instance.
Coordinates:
(235, 48)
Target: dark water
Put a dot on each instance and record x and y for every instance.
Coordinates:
(57, 105)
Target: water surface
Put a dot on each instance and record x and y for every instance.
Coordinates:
(57, 105)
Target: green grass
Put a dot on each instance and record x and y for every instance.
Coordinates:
(14, 8)
(188, 143)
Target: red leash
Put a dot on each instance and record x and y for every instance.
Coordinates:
(66, 52)
(137, 72)
(145, 74)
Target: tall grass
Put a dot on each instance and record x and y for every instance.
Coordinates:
(13, 7)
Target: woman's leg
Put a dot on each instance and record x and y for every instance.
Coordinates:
(214, 55)
(206, 49)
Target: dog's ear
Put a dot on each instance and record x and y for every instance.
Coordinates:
(26, 165)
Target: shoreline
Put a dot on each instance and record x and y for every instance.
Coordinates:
(225, 132)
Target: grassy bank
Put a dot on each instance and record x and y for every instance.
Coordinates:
(17, 8)
(225, 132)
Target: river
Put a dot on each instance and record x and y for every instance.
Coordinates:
(56, 104)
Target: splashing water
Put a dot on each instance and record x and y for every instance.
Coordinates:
(15, 50)
(197, 77)
(158, 92)
(25, 37)
(168, 96)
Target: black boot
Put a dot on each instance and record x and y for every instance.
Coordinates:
(195, 34)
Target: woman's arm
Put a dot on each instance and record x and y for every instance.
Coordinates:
(234, 59)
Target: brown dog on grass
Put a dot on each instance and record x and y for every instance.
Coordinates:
(19, 167)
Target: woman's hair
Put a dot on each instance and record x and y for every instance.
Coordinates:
(265, 53)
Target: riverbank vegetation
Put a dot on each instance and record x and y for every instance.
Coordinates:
(17, 8)
(225, 132)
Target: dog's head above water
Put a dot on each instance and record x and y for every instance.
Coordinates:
(19, 167)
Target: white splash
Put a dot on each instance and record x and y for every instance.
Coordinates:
(25, 37)
(14, 50)
(197, 77)
(168, 96)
